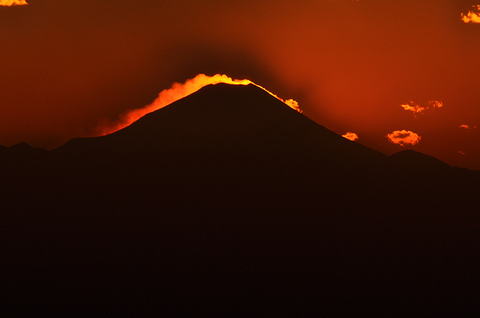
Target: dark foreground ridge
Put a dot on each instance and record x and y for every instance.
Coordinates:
(228, 201)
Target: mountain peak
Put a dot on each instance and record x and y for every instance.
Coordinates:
(222, 119)
(224, 192)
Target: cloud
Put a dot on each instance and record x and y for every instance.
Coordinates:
(472, 16)
(404, 137)
(468, 127)
(461, 152)
(13, 2)
(417, 109)
(435, 104)
(413, 107)
(350, 136)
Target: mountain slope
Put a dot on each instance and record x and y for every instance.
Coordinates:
(230, 200)
(228, 139)
(229, 118)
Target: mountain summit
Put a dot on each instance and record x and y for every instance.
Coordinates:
(230, 200)
(227, 116)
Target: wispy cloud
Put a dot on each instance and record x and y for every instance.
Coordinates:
(413, 107)
(350, 136)
(404, 137)
(473, 16)
(461, 152)
(417, 109)
(435, 104)
(468, 127)
(13, 2)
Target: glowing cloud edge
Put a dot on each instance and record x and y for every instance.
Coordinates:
(10, 3)
(471, 16)
(178, 91)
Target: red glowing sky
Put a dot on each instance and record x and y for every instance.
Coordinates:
(68, 66)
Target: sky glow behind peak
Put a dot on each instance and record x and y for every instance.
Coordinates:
(70, 66)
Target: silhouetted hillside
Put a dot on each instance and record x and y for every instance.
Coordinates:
(413, 160)
(230, 201)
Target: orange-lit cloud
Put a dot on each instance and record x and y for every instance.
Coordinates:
(467, 127)
(417, 109)
(350, 136)
(179, 91)
(472, 16)
(461, 152)
(404, 137)
(435, 104)
(13, 2)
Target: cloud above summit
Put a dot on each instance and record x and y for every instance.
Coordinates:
(473, 16)
(13, 2)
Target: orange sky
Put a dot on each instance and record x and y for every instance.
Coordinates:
(68, 66)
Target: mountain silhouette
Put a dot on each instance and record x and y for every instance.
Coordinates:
(229, 201)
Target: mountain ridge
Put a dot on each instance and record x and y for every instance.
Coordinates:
(206, 112)
(229, 199)
(82, 142)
